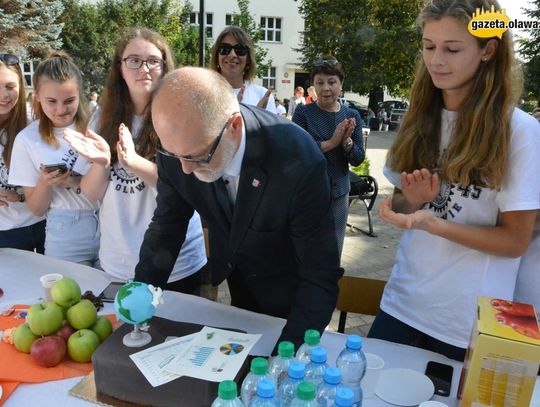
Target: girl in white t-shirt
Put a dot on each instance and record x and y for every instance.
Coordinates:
(233, 56)
(42, 161)
(19, 227)
(124, 173)
(465, 168)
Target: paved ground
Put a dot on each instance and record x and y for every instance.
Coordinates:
(364, 256)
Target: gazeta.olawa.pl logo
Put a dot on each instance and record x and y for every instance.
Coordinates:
(488, 24)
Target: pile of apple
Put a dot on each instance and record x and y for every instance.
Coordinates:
(67, 324)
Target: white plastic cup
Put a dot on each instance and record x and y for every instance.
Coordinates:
(375, 365)
(47, 281)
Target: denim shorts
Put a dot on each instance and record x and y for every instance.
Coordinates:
(73, 235)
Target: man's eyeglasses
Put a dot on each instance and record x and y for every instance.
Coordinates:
(203, 161)
(322, 62)
(9, 59)
(239, 49)
(136, 63)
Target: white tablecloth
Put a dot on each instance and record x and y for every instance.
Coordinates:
(19, 278)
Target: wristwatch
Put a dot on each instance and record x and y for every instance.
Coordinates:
(347, 146)
(21, 195)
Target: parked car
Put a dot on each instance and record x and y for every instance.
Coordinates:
(363, 110)
(395, 110)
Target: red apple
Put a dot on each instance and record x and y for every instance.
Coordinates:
(48, 351)
(65, 331)
(82, 315)
(82, 344)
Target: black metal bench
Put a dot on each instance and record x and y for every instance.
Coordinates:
(365, 189)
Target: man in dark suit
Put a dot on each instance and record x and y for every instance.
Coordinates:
(260, 182)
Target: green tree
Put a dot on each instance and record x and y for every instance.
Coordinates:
(529, 48)
(91, 31)
(245, 20)
(29, 28)
(376, 41)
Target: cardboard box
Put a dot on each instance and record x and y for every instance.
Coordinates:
(503, 357)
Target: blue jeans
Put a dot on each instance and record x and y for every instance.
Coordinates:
(392, 329)
(73, 235)
(31, 238)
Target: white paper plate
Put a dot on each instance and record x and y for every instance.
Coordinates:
(404, 387)
(1, 391)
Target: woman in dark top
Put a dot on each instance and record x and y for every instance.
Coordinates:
(338, 132)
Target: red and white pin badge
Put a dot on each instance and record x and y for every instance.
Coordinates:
(255, 183)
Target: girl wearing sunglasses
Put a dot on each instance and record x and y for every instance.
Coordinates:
(123, 175)
(19, 227)
(233, 56)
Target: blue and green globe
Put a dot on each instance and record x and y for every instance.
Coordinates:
(133, 303)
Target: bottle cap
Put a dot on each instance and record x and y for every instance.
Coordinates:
(296, 369)
(332, 375)
(312, 337)
(286, 349)
(318, 355)
(266, 388)
(259, 366)
(227, 390)
(306, 391)
(344, 397)
(354, 342)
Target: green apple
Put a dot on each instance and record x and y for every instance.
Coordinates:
(82, 344)
(23, 337)
(45, 318)
(82, 315)
(66, 292)
(102, 327)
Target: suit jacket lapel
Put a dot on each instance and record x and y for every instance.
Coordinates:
(252, 180)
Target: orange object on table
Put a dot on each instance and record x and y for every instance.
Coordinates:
(17, 367)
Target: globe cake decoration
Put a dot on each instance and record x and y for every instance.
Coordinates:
(135, 304)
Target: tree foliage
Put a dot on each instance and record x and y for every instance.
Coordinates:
(245, 20)
(91, 31)
(530, 50)
(376, 41)
(29, 28)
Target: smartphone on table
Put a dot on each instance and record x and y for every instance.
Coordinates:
(108, 294)
(53, 167)
(441, 376)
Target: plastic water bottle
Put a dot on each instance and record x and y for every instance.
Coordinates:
(315, 369)
(352, 363)
(258, 371)
(266, 394)
(305, 396)
(287, 390)
(280, 364)
(326, 392)
(344, 397)
(312, 338)
(227, 395)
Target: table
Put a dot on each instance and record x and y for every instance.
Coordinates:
(19, 278)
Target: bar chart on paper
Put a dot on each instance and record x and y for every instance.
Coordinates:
(200, 354)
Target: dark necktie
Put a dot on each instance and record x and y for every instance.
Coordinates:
(222, 195)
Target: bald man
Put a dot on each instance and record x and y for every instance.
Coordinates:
(261, 184)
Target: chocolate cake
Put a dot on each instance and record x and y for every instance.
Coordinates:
(117, 376)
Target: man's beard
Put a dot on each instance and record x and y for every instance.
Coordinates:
(205, 174)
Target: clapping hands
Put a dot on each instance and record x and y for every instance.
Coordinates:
(91, 146)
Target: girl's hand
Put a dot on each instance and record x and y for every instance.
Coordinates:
(55, 178)
(125, 147)
(421, 219)
(91, 146)
(264, 101)
(8, 196)
(420, 186)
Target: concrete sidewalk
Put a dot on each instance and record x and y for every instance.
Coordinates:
(364, 256)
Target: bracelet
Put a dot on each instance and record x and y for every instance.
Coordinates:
(21, 197)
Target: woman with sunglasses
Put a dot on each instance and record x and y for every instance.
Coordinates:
(124, 173)
(19, 227)
(338, 132)
(233, 56)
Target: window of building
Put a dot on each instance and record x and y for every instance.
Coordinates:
(269, 78)
(229, 19)
(209, 25)
(271, 27)
(27, 69)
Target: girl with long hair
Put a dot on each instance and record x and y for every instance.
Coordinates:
(123, 175)
(19, 227)
(465, 167)
(42, 162)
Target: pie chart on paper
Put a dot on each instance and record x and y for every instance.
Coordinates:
(231, 348)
